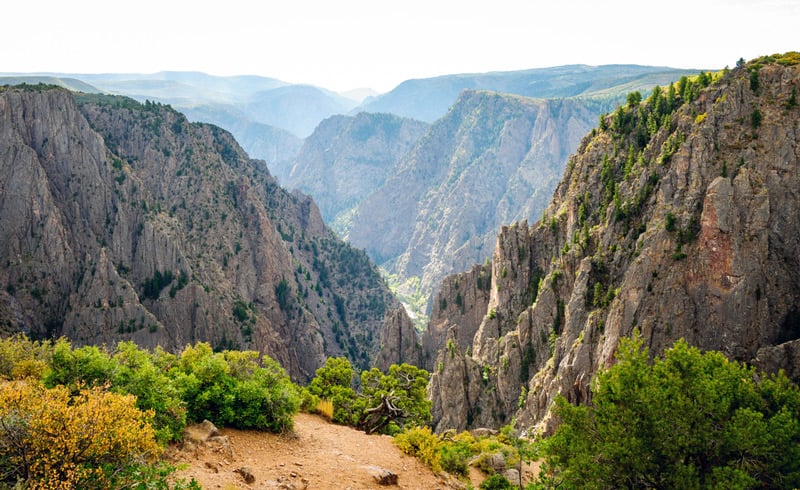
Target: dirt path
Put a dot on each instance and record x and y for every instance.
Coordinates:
(319, 455)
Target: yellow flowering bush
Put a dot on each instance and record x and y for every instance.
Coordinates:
(421, 443)
(56, 440)
(21, 357)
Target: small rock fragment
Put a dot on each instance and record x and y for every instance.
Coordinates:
(512, 475)
(246, 473)
(382, 476)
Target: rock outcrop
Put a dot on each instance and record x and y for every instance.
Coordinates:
(121, 220)
(399, 341)
(460, 305)
(677, 217)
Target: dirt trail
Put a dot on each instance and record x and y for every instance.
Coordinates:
(318, 455)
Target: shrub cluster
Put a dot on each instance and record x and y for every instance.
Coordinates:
(53, 439)
(691, 419)
(455, 453)
(378, 403)
(75, 416)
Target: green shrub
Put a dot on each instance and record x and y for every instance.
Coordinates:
(454, 458)
(755, 118)
(85, 366)
(497, 482)
(204, 380)
(265, 398)
(333, 382)
(669, 222)
(754, 82)
(308, 401)
(151, 289)
(239, 389)
(138, 372)
(691, 419)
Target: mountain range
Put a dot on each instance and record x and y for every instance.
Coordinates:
(510, 150)
(666, 209)
(429, 99)
(270, 117)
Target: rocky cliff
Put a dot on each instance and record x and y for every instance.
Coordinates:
(349, 157)
(493, 159)
(678, 216)
(120, 220)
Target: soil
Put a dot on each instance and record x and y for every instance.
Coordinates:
(317, 455)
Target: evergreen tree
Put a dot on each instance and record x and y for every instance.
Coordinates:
(687, 420)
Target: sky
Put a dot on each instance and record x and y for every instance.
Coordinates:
(347, 44)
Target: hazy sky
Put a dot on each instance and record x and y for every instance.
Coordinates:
(346, 44)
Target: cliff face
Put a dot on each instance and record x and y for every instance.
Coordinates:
(457, 311)
(347, 158)
(677, 217)
(124, 221)
(492, 159)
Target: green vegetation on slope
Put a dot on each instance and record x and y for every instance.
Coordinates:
(108, 413)
(644, 134)
(454, 453)
(409, 292)
(687, 420)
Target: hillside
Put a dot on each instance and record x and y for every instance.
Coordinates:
(676, 217)
(121, 220)
(349, 157)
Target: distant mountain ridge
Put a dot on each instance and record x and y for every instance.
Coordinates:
(65, 82)
(267, 116)
(298, 108)
(428, 99)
